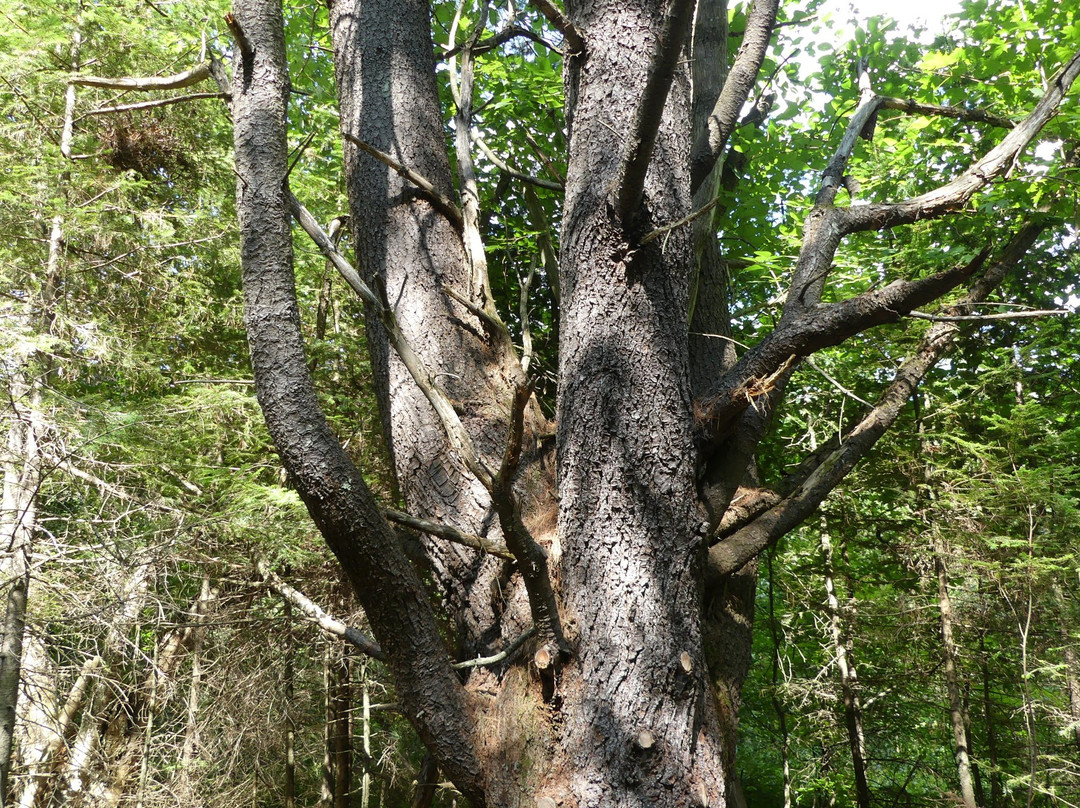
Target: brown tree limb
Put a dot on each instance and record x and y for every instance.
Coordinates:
(200, 72)
(439, 530)
(709, 145)
(441, 202)
(332, 488)
(821, 327)
(513, 172)
(959, 113)
(642, 136)
(955, 194)
(531, 558)
(746, 543)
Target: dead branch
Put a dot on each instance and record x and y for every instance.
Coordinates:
(178, 81)
(328, 623)
(441, 202)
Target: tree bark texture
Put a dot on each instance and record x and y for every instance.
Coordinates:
(639, 705)
(628, 520)
(332, 487)
(388, 98)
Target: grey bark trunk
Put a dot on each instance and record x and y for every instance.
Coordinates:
(641, 725)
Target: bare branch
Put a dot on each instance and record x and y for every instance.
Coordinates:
(161, 102)
(499, 657)
(424, 379)
(449, 533)
(327, 622)
(461, 87)
(442, 203)
(982, 318)
(821, 327)
(513, 172)
(762, 532)
(564, 26)
(196, 74)
(959, 113)
(722, 121)
(955, 194)
(501, 37)
(642, 138)
(531, 558)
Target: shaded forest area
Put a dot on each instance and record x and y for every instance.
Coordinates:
(176, 631)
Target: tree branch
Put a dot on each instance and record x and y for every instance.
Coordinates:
(564, 26)
(494, 659)
(196, 74)
(745, 543)
(160, 102)
(327, 622)
(424, 379)
(821, 327)
(959, 113)
(513, 172)
(531, 558)
(642, 138)
(327, 480)
(955, 194)
(725, 114)
(983, 318)
(442, 203)
(449, 533)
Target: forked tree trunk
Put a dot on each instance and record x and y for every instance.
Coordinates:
(617, 705)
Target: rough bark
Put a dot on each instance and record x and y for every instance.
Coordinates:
(331, 486)
(388, 98)
(641, 726)
(849, 687)
(639, 708)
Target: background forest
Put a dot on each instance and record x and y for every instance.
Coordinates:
(188, 639)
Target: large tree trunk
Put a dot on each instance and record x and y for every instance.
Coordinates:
(618, 704)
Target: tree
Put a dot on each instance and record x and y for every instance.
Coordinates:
(565, 593)
(631, 693)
